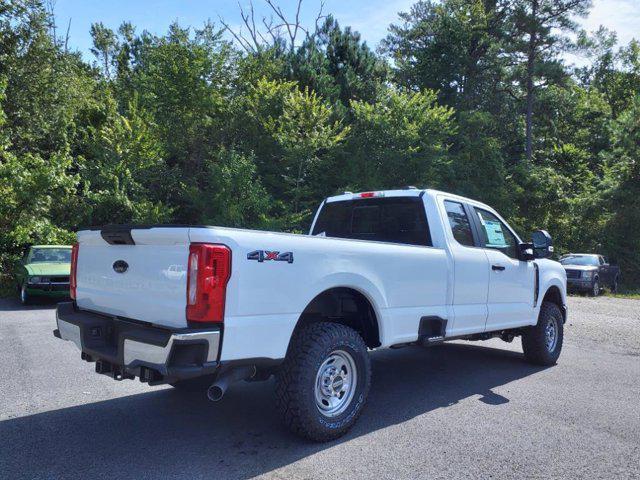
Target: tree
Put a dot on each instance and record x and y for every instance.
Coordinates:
(621, 186)
(401, 139)
(615, 73)
(338, 65)
(105, 46)
(536, 30)
(452, 47)
(189, 127)
(42, 90)
(126, 164)
(301, 124)
(184, 81)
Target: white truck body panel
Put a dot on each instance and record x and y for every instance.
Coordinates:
(264, 300)
(152, 290)
(270, 296)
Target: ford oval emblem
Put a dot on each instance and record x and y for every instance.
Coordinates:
(120, 266)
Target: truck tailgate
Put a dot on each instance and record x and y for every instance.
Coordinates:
(142, 281)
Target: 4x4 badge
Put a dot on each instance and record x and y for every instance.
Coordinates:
(263, 255)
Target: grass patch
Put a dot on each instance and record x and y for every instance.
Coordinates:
(632, 294)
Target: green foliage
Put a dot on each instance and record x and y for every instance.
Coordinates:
(337, 65)
(297, 131)
(452, 47)
(622, 191)
(186, 128)
(29, 187)
(232, 194)
(399, 140)
(126, 163)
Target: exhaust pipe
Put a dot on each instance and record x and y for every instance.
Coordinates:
(216, 391)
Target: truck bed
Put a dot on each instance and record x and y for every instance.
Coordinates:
(264, 298)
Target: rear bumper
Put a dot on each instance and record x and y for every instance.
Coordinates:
(127, 349)
(48, 289)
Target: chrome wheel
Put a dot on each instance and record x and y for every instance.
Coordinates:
(336, 383)
(596, 288)
(551, 334)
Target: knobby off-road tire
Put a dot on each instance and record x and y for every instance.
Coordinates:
(322, 386)
(542, 343)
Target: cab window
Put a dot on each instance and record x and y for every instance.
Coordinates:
(393, 220)
(459, 223)
(495, 234)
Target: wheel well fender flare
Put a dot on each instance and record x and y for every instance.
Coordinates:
(362, 285)
(554, 292)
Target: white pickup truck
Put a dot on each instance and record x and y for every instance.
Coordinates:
(201, 307)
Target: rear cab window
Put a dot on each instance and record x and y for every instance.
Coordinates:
(392, 219)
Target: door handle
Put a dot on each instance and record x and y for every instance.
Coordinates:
(497, 267)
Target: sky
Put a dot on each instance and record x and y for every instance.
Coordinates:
(369, 17)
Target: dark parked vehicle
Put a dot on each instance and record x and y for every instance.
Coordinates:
(588, 272)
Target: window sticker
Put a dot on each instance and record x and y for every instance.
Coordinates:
(495, 235)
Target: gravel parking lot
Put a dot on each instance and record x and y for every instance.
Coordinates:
(451, 411)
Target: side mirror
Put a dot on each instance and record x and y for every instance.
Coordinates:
(542, 244)
(525, 252)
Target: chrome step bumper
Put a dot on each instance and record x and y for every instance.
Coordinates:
(125, 349)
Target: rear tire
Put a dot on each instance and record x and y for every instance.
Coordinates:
(323, 384)
(542, 343)
(614, 285)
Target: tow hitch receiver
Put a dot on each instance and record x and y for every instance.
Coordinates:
(113, 371)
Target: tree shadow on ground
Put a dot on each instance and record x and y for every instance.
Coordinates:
(171, 434)
(12, 304)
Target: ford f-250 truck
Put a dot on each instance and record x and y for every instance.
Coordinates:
(200, 307)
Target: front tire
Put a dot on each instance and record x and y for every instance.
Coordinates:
(25, 298)
(595, 288)
(542, 343)
(323, 384)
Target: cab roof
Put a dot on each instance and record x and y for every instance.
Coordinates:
(404, 192)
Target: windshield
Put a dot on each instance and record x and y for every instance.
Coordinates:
(584, 260)
(40, 255)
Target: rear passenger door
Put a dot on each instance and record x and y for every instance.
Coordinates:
(511, 280)
(471, 272)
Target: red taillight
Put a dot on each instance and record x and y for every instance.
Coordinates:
(209, 269)
(367, 194)
(73, 278)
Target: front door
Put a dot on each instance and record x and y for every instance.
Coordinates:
(511, 281)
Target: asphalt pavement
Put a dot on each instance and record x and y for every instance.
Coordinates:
(459, 410)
